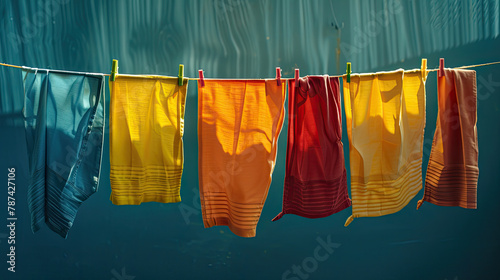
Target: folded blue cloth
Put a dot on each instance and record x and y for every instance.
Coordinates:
(64, 122)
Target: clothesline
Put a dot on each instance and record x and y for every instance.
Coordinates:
(337, 76)
(321, 189)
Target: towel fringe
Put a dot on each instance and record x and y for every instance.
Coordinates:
(349, 220)
(419, 203)
(280, 215)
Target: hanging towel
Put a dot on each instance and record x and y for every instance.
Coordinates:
(146, 128)
(239, 122)
(315, 178)
(64, 123)
(385, 117)
(453, 171)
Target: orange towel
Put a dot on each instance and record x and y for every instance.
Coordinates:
(453, 171)
(238, 127)
(385, 117)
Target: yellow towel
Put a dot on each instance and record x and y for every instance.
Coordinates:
(385, 117)
(146, 128)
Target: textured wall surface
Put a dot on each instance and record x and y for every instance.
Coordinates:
(248, 39)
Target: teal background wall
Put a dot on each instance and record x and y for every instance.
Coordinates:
(248, 39)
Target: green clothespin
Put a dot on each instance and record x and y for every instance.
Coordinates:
(114, 70)
(348, 72)
(181, 74)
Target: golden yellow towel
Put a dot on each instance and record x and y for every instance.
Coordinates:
(146, 128)
(239, 122)
(385, 117)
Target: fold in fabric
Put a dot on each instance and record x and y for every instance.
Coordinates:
(315, 178)
(452, 172)
(146, 149)
(239, 122)
(385, 117)
(64, 123)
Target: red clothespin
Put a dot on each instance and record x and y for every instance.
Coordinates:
(202, 79)
(278, 75)
(296, 77)
(441, 67)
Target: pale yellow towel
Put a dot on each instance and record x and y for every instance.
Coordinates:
(385, 117)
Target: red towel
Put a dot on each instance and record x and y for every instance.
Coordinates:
(315, 179)
(453, 170)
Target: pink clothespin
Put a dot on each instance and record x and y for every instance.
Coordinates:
(202, 79)
(296, 77)
(278, 75)
(441, 67)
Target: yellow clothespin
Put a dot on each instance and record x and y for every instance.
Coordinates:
(423, 68)
(114, 70)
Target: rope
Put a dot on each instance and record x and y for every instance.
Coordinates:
(286, 79)
(469, 66)
(10, 65)
(478, 65)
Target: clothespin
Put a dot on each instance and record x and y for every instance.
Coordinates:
(348, 72)
(202, 79)
(114, 70)
(423, 68)
(441, 67)
(278, 75)
(181, 74)
(296, 77)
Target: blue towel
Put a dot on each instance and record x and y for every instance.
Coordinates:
(64, 122)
